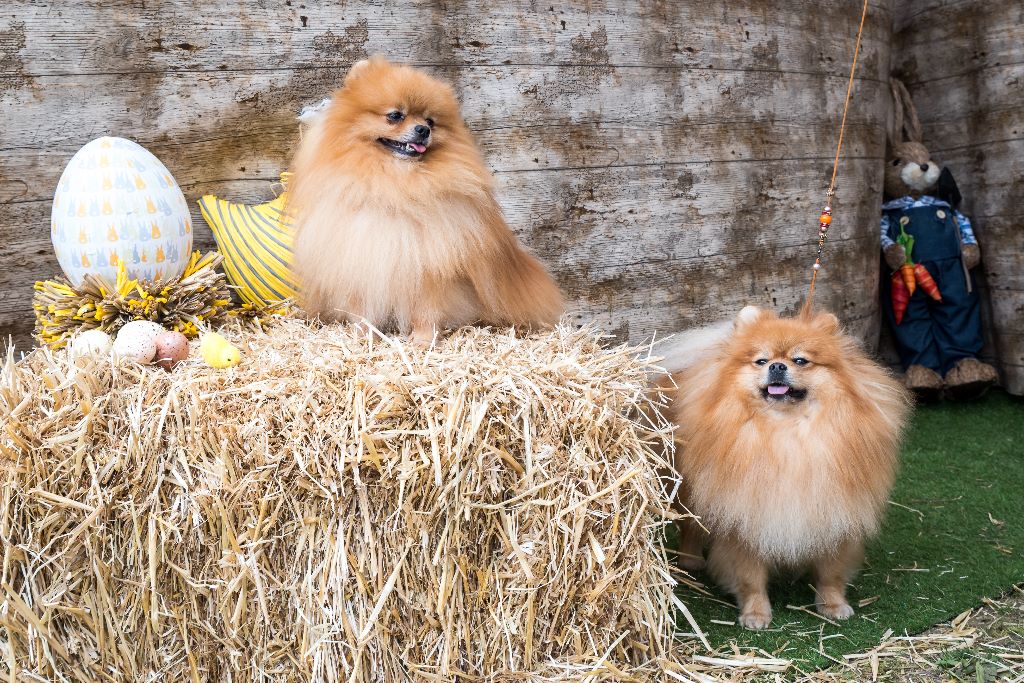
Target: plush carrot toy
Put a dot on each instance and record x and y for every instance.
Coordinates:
(910, 275)
(900, 296)
(907, 273)
(924, 278)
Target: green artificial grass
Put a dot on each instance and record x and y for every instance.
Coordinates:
(953, 535)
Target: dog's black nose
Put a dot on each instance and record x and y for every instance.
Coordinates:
(924, 167)
(422, 131)
(777, 368)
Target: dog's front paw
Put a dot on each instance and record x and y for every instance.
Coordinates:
(839, 611)
(422, 337)
(755, 619)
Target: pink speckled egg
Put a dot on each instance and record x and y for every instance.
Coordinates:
(171, 349)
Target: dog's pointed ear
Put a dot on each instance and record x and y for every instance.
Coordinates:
(748, 315)
(360, 68)
(827, 323)
(357, 68)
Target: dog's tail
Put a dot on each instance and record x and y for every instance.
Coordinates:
(684, 349)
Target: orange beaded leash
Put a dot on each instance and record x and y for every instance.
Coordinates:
(826, 214)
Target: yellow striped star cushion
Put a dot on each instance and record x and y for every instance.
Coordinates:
(256, 242)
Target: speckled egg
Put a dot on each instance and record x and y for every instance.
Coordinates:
(137, 340)
(115, 202)
(91, 343)
(139, 348)
(171, 349)
(146, 328)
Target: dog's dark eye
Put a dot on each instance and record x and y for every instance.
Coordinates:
(761, 361)
(396, 116)
(895, 162)
(799, 360)
(430, 122)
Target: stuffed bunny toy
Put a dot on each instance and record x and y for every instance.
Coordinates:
(929, 298)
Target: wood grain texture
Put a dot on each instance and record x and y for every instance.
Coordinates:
(666, 160)
(971, 104)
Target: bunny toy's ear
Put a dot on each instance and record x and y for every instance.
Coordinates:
(906, 125)
(894, 133)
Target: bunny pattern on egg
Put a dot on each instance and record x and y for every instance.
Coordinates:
(930, 247)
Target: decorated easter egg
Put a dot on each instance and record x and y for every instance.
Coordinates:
(171, 349)
(115, 202)
(91, 343)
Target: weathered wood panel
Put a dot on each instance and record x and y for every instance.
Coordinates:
(667, 160)
(971, 104)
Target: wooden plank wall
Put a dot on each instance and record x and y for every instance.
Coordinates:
(667, 159)
(963, 62)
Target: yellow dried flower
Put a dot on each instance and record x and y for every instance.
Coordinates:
(200, 294)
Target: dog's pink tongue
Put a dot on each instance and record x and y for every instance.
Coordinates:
(418, 147)
(777, 389)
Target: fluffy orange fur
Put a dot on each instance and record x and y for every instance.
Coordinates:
(411, 242)
(796, 480)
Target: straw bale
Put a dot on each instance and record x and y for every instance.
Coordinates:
(339, 507)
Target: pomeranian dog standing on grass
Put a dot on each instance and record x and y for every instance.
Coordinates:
(787, 444)
(396, 219)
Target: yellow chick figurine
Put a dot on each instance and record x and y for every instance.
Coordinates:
(218, 352)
